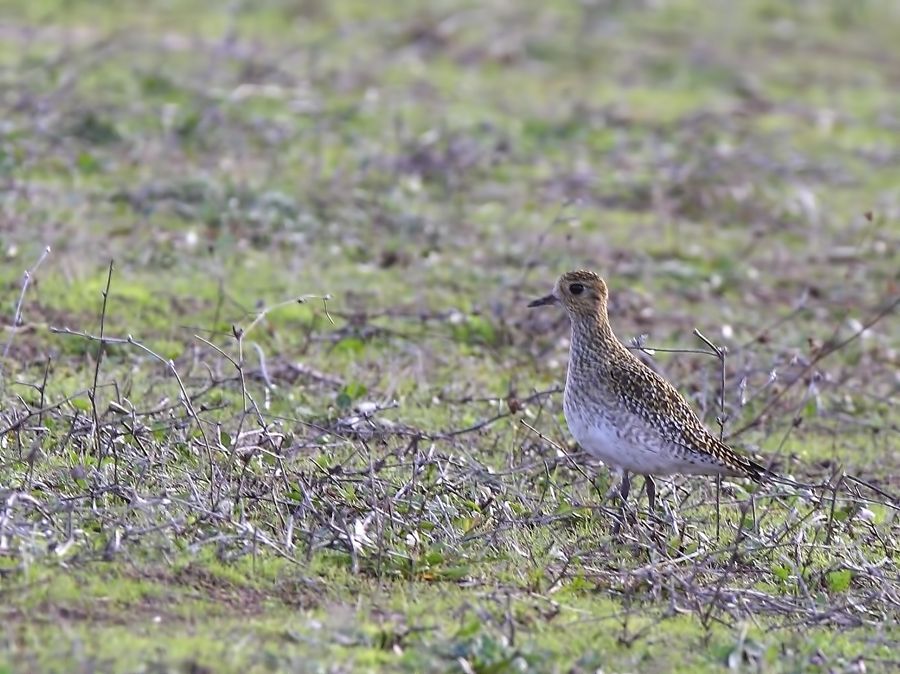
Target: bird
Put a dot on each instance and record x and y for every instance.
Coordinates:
(623, 412)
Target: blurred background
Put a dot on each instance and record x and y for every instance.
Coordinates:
(724, 164)
(732, 167)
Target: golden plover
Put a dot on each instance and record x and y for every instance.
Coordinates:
(620, 410)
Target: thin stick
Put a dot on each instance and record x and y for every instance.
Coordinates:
(720, 353)
(303, 299)
(26, 281)
(836, 485)
(92, 394)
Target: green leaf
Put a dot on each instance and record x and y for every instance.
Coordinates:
(781, 571)
(839, 581)
(518, 508)
(433, 557)
(464, 524)
(811, 408)
(841, 514)
(455, 572)
(472, 627)
(350, 345)
(349, 393)
(87, 163)
(82, 404)
(356, 389)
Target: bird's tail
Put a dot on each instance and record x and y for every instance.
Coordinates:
(740, 464)
(763, 474)
(758, 472)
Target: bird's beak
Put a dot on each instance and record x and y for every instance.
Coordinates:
(544, 301)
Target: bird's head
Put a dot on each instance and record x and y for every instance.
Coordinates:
(582, 293)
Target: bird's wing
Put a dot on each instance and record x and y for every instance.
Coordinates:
(674, 419)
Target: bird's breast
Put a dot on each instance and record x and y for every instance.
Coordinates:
(593, 426)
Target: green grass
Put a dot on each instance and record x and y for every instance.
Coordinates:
(351, 486)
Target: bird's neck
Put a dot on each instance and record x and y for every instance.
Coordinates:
(593, 341)
(592, 328)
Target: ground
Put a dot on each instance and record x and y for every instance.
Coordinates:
(324, 432)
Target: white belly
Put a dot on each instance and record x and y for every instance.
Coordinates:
(616, 449)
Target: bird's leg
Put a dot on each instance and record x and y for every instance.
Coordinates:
(651, 492)
(624, 488)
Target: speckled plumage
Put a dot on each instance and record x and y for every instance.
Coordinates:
(620, 410)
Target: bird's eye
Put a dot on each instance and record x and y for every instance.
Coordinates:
(576, 288)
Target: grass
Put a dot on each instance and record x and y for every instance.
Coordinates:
(241, 481)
